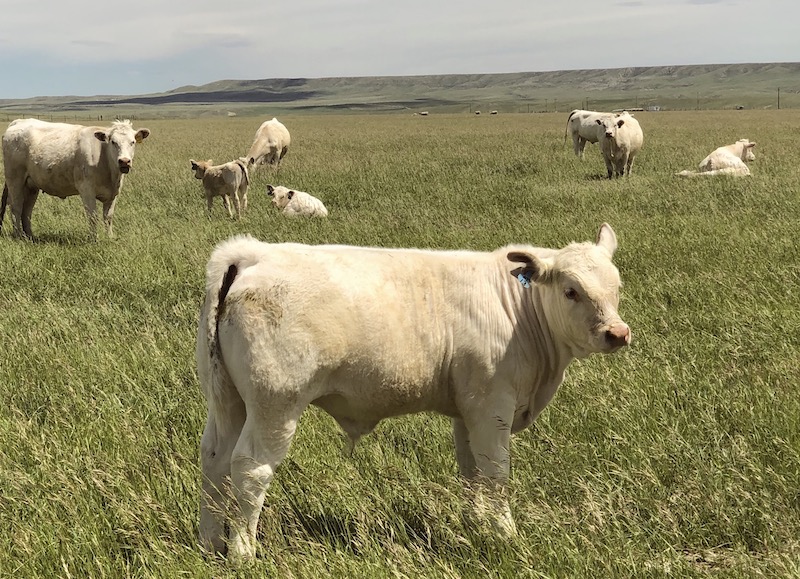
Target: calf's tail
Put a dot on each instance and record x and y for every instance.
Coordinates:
(216, 382)
(245, 174)
(566, 129)
(3, 204)
(225, 266)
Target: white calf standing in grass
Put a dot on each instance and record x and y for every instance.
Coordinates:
(582, 126)
(229, 180)
(727, 160)
(621, 139)
(296, 203)
(370, 333)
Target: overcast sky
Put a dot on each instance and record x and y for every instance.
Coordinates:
(88, 47)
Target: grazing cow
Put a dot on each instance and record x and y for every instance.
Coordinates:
(64, 160)
(229, 180)
(270, 145)
(727, 160)
(371, 333)
(296, 203)
(620, 141)
(582, 126)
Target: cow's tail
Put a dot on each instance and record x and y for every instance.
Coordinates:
(566, 129)
(227, 262)
(3, 205)
(243, 166)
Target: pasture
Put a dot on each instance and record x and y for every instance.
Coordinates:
(679, 456)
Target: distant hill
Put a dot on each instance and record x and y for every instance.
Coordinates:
(664, 87)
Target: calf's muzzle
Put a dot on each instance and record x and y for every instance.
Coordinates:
(618, 335)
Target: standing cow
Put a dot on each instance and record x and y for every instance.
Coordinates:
(64, 160)
(270, 145)
(582, 126)
(620, 141)
(370, 333)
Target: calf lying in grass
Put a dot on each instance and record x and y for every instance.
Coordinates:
(726, 160)
(296, 203)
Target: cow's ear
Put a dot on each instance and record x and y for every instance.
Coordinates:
(620, 122)
(101, 136)
(750, 145)
(607, 239)
(270, 190)
(598, 121)
(289, 195)
(142, 134)
(534, 269)
(194, 163)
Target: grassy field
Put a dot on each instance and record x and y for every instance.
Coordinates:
(679, 457)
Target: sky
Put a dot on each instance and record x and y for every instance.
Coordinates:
(88, 47)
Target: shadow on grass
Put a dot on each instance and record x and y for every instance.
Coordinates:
(60, 238)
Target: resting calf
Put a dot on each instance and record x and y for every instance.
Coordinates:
(296, 203)
(726, 160)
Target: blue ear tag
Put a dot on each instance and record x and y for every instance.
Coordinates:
(525, 280)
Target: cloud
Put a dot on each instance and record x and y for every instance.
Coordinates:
(159, 46)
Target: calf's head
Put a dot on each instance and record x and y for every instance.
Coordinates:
(121, 140)
(611, 124)
(579, 287)
(747, 150)
(280, 195)
(200, 167)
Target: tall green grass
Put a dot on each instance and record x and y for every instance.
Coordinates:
(677, 457)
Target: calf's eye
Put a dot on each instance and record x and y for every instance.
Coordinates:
(571, 294)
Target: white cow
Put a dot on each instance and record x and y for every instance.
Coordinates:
(621, 139)
(270, 145)
(294, 203)
(371, 333)
(229, 180)
(582, 126)
(64, 160)
(727, 160)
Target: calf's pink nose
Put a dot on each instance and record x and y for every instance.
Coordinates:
(619, 335)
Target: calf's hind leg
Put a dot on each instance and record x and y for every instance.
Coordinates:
(216, 448)
(264, 442)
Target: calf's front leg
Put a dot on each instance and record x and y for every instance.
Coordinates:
(482, 450)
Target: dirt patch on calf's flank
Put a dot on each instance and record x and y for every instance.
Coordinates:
(266, 305)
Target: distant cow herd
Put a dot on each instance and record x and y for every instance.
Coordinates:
(481, 337)
(621, 138)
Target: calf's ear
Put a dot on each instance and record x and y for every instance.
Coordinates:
(534, 269)
(270, 190)
(194, 163)
(100, 136)
(607, 239)
(289, 195)
(142, 134)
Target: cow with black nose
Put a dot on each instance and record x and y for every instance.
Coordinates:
(481, 337)
(65, 160)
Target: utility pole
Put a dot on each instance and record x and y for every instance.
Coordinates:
(779, 98)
